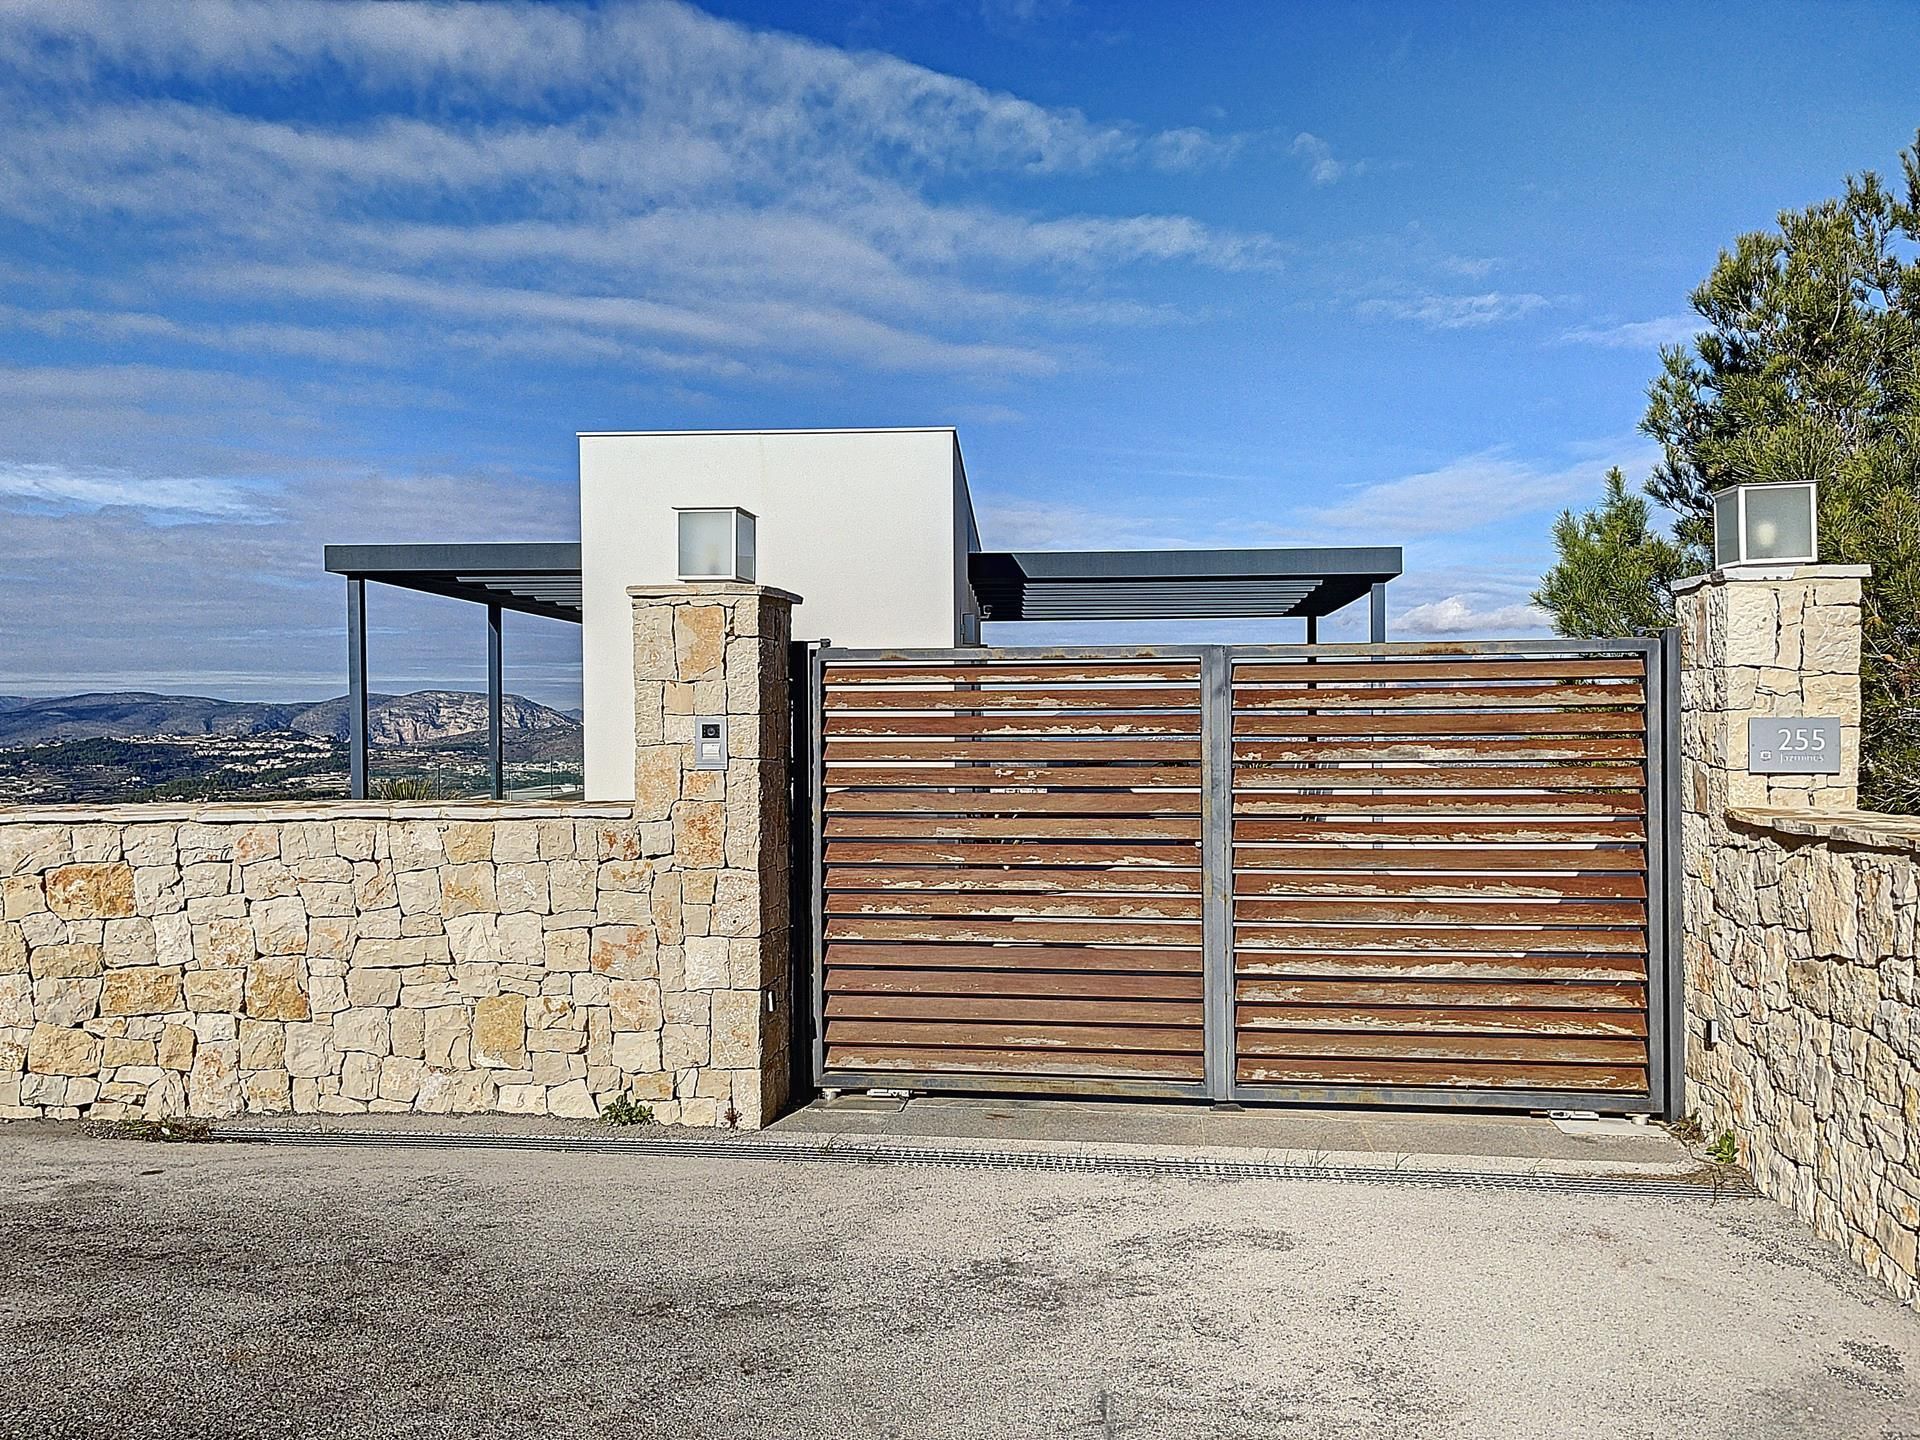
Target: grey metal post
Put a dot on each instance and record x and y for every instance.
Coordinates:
(1313, 629)
(1377, 614)
(356, 687)
(1216, 869)
(1672, 882)
(496, 687)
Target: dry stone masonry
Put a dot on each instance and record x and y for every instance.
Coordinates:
(1803, 1016)
(344, 958)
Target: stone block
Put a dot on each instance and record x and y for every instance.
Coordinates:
(623, 951)
(369, 987)
(263, 1045)
(445, 1037)
(276, 989)
(309, 1050)
(516, 841)
(706, 962)
(175, 1047)
(699, 834)
(140, 990)
(57, 1050)
(521, 887)
(70, 961)
(363, 1031)
(128, 942)
(90, 891)
(280, 926)
(213, 1085)
(468, 841)
(407, 1034)
(499, 1038)
(224, 942)
(572, 1101)
(467, 890)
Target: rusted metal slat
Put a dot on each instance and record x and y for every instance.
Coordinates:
(1009, 672)
(1103, 984)
(1551, 1050)
(1144, 855)
(1161, 1040)
(1036, 750)
(950, 1061)
(1111, 723)
(843, 879)
(1503, 776)
(1401, 858)
(1135, 932)
(1012, 1010)
(1338, 671)
(1404, 802)
(1492, 748)
(1013, 802)
(1037, 827)
(1437, 965)
(1360, 830)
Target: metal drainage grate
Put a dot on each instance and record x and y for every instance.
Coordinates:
(1706, 1185)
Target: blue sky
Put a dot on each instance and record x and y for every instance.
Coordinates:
(278, 274)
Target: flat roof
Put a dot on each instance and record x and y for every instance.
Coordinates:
(532, 577)
(800, 430)
(1058, 585)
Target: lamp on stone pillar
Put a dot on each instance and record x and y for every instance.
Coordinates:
(716, 544)
(1766, 524)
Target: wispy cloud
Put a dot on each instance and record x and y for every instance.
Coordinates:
(1637, 334)
(1462, 614)
(159, 495)
(1440, 311)
(1323, 166)
(1465, 494)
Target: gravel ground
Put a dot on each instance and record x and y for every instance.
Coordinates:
(240, 1291)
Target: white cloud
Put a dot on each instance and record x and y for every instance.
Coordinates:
(1323, 166)
(1466, 494)
(1453, 312)
(1637, 334)
(1469, 615)
(160, 495)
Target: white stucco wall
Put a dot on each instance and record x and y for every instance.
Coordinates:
(869, 527)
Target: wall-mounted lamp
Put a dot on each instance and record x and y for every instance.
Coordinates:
(1774, 524)
(716, 544)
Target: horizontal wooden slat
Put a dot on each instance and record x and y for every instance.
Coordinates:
(1145, 854)
(1039, 749)
(1171, 697)
(1102, 984)
(1434, 697)
(987, 902)
(1463, 802)
(1464, 722)
(1406, 937)
(1013, 1010)
(1578, 995)
(1459, 1074)
(1355, 882)
(1435, 777)
(1437, 965)
(1028, 959)
(1256, 672)
(952, 1061)
(1163, 1040)
(1029, 880)
(1110, 723)
(1553, 1050)
(1012, 802)
(1488, 748)
(1402, 857)
(1360, 830)
(1012, 672)
(1399, 1019)
(1038, 827)
(1411, 910)
(1096, 776)
(1091, 932)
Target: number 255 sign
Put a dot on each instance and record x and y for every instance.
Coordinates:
(1796, 746)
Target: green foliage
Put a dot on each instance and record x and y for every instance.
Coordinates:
(1615, 574)
(1807, 367)
(1725, 1150)
(625, 1110)
(407, 787)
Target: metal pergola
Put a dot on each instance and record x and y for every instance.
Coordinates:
(1298, 583)
(530, 577)
(543, 578)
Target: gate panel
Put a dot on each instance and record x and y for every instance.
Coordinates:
(1010, 873)
(1442, 877)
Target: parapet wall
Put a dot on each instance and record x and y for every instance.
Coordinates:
(337, 959)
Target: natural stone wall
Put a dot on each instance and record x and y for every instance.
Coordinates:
(338, 958)
(1812, 924)
(1803, 1020)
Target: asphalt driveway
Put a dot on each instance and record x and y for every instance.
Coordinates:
(216, 1291)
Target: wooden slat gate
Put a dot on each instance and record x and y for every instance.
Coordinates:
(1387, 874)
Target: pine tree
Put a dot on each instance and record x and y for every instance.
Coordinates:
(1615, 573)
(1807, 367)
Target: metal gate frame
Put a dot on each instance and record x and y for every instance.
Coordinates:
(1665, 1008)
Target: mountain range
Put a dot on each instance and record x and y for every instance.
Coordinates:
(422, 717)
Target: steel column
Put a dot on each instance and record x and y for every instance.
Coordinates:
(496, 698)
(1313, 629)
(356, 687)
(1673, 1022)
(816, 788)
(1216, 866)
(1377, 614)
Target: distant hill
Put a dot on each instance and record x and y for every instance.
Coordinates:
(425, 716)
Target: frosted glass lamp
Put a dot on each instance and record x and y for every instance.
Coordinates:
(716, 544)
(1766, 524)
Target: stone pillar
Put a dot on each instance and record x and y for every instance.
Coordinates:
(1755, 642)
(720, 897)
